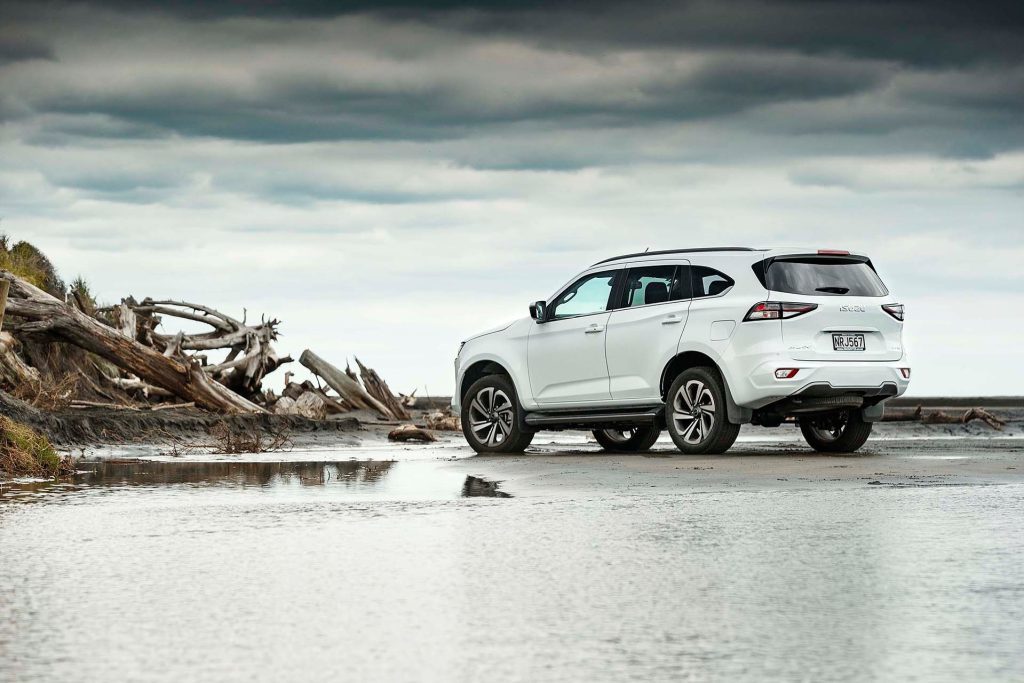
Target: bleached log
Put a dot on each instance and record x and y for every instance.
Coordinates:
(251, 355)
(172, 406)
(174, 347)
(408, 400)
(136, 384)
(350, 390)
(53, 318)
(4, 287)
(378, 388)
(127, 321)
(14, 372)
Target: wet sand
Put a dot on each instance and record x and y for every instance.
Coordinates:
(377, 562)
(758, 464)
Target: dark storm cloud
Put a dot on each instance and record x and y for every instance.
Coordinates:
(842, 77)
(927, 32)
(748, 55)
(17, 49)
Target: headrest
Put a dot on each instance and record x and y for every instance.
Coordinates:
(655, 293)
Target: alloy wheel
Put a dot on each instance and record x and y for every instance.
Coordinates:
(693, 411)
(490, 416)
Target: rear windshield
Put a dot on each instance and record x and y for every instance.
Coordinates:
(821, 277)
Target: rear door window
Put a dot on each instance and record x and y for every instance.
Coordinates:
(651, 285)
(822, 277)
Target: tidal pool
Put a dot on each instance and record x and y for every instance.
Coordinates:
(412, 570)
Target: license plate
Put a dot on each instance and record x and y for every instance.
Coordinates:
(848, 342)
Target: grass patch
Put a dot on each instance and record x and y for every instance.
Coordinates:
(83, 295)
(26, 452)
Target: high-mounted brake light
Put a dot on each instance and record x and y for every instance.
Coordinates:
(833, 252)
(777, 310)
(895, 310)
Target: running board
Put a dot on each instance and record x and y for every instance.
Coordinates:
(566, 419)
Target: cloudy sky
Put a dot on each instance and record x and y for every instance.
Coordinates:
(390, 177)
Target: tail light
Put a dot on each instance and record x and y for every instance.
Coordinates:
(777, 310)
(786, 373)
(895, 310)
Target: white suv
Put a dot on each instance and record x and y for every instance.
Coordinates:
(696, 341)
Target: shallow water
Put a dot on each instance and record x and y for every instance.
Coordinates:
(409, 570)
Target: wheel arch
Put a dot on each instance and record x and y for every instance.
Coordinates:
(695, 359)
(479, 370)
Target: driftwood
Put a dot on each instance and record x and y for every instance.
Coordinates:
(172, 406)
(411, 433)
(251, 355)
(940, 417)
(443, 421)
(58, 349)
(378, 388)
(13, 370)
(4, 288)
(97, 404)
(53, 319)
(134, 384)
(294, 391)
(350, 390)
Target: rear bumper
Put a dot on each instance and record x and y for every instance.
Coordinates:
(874, 381)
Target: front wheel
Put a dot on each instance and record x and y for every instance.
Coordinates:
(634, 440)
(695, 414)
(842, 432)
(490, 417)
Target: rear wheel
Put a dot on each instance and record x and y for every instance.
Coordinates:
(841, 432)
(695, 414)
(490, 417)
(634, 440)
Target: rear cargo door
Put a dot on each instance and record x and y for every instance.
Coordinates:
(849, 323)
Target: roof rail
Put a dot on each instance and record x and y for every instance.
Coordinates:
(675, 251)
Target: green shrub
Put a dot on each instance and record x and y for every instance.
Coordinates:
(27, 262)
(83, 295)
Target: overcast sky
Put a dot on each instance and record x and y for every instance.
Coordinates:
(391, 178)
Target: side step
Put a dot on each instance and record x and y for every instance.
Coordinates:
(567, 420)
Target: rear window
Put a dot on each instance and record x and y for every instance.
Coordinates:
(821, 277)
(709, 282)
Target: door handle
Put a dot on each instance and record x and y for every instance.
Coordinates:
(671, 320)
(594, 329)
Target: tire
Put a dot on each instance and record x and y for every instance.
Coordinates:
(842, 432)
(635, 440)
(492, 407)
(695, 413)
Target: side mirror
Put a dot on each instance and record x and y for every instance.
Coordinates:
(539, 311)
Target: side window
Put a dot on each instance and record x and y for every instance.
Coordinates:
(709, 282)
(650, 285)
(589, 294)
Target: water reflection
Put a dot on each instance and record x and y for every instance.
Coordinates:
(477, 487)
(367, 477)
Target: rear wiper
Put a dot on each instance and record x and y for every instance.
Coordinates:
(832, 290)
